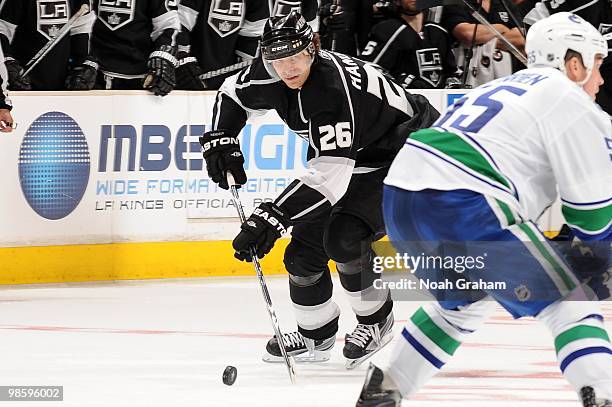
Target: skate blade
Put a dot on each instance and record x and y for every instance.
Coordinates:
(353, 363)
(316, 357)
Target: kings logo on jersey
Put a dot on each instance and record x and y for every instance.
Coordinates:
(116, 13)
(430, 65)
(51, 16)
(226, 16)
(284, 7)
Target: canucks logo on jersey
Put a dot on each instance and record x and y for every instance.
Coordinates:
(116, 13)
(51, 16)
(430, 65)
(226, 16)
(284, 7)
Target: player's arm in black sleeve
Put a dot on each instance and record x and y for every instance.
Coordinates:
(11, 16)
(84, 67)
(5, 103)
(331, 160)
(80, 32)
(6, 119)
(237, 99)
(162, 63)
(165, 20)
(189, 69)
(257, 13)
(310, 10)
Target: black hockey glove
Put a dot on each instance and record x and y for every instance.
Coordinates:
(161, 77)
(16, 79)
(333, 17)
(591, 261)
(452, 83)
(261, 230)
(222, 154)
(82, 76)
(188, 74)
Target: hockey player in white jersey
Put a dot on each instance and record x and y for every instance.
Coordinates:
(487, 169)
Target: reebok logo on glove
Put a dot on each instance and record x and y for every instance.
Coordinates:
(259, 212)
(222, 141)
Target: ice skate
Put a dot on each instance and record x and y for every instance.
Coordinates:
(366, 340)
(303, 350)
(590, 400)
(373, 394)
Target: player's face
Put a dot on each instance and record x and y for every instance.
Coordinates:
(293, 70)
(409, 5)
(591, 87)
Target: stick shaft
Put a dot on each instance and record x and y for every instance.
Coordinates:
(262, 283)
(55, 40)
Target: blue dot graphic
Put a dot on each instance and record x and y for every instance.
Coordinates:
(54, 165)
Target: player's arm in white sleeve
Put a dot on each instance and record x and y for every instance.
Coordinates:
(581, 158)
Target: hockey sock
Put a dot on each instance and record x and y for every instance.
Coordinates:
(582, 344)
(429, 340)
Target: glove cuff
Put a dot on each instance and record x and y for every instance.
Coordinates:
(274, 216)
(91, 64)
(165, 52)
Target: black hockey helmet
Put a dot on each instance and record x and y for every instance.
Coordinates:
(284, 36)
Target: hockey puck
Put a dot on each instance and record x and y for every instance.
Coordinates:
(229, 375)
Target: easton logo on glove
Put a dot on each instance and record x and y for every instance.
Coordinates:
(222, 141)
(271, 219)
(221, 150)
(267, 224)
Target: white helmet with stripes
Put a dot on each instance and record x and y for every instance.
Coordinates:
(549, 39)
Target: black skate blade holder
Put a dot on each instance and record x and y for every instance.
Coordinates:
(425, 4)
(262, 282)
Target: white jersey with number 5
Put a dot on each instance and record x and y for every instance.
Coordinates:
(520, 139)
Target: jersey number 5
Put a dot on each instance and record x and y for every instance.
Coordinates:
(335, 137)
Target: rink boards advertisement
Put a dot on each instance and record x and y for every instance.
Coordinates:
(88, 168)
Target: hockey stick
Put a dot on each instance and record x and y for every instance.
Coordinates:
(262, 282)
(480, 18)
(336, 5)
(513, 50)
(53, 41)
(226, 69)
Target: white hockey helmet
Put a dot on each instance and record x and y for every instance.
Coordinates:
(549, 39)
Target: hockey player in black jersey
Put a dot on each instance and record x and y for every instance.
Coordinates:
(414, 48)
(6, 119)
(216, 34)
(27, 25)
(135, 43)
(349, 113)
